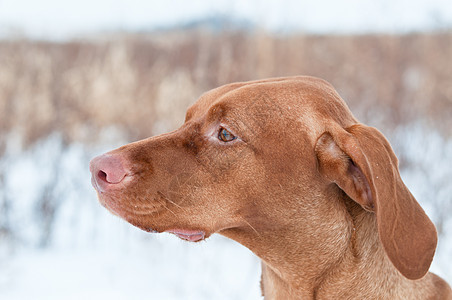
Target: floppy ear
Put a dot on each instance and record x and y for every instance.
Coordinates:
(361, 162)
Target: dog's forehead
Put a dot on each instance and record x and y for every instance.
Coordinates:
(307, 100)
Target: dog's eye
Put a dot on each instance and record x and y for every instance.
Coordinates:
(225, 136)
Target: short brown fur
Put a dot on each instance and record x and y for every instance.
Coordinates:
(305, 186)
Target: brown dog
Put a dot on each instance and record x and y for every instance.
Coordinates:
(282, 167)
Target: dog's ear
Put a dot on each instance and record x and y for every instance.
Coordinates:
(361, 162)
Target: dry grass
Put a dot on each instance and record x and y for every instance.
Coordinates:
(143, 83)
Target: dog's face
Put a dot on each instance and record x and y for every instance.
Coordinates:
(241, 147)
(264, 161)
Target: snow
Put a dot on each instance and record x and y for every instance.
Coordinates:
(158, 267)
(95, 255)
(91, 254)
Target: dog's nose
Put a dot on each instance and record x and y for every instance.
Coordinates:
(107, 170)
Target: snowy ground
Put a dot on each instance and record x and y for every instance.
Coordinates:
(133, 268)
(94, 255)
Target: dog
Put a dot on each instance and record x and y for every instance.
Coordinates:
(283, 167)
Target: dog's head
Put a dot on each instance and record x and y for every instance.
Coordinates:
(257, 157)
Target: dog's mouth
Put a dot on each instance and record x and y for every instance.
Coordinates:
(184, 234)
(188, 235)
(134, 215)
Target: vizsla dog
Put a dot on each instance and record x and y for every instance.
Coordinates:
(282, 167)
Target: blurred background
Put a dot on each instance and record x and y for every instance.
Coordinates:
(78, 78)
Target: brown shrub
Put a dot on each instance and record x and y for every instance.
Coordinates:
(143, 83)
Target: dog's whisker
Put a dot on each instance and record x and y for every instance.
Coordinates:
(170, 210)
(166, 207)
(248, 223)
(169, 200)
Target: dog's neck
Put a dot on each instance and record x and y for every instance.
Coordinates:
(293, 267)
(363, 261)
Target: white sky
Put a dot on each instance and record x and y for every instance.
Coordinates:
(60, 19)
